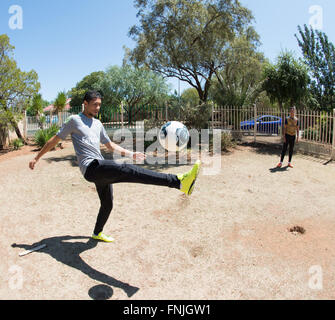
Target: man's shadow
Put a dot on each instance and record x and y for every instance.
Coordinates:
(69, 253)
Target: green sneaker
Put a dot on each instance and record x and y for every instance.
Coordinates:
(102, 237)
(187, 180)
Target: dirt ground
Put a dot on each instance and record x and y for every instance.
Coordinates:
(229, 240)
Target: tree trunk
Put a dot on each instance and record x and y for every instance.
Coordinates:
(39, 121)
(208, 85)
(130, 110)
(18, 132)
(60, 120)
(201, 95)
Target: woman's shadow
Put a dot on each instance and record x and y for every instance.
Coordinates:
(276, 169)
(64, 251)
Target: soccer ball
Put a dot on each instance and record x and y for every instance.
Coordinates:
(173, 136)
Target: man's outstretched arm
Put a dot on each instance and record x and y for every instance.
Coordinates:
(52, 143)
(125, 153)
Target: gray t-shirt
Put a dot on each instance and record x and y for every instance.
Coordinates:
(87, 134)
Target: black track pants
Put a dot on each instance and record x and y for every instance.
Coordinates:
(104, 173)
(290, 141)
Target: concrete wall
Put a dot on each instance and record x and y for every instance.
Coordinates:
(314, 148)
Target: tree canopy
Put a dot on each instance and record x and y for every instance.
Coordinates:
(35, 109)
(187, 39)
(59, 104)
(16, 87)
(126, 85)
(239, 83)
(190, 96)
(319, 55)
(286, 82)
(132, 86)
(89, 82)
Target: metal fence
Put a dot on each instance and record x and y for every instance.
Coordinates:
(316, 129)
(33, 123)
(112, 118)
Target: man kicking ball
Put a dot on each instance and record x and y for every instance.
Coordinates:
(87, 133)
(291, 135)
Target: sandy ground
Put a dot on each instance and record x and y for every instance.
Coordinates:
(229, 240)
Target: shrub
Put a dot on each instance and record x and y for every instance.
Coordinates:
(152, 124)
(227, 141)
(322, 126)
(196, 117)
(17, 144)
(43, 136)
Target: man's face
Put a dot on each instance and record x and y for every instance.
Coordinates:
(292, 113)
(92, 108)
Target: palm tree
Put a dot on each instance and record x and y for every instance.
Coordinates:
(36, 108)
(59, 105)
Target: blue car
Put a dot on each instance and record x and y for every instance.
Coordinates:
(265, 124)
(54, 119)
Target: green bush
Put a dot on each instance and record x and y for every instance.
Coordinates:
(17, 144)
(152, 124)
(43, 136)
(322, 126)
(196, 117)
(315, 133)
(311, 132)
(227, 141)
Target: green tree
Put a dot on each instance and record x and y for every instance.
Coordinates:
(239, 83)
(186, 39)
(287, 81)
(16, 87)
(319, 55)
(59, 106)
(190, 96)
(89, 82)
(132, 87)
(35, 109)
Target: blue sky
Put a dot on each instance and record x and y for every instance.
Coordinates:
(65, 40)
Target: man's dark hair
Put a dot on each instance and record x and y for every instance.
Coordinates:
(92, 95)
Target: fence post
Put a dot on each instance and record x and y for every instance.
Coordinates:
(255, 122)
(25, 133)
(122, 124)
(166, 112)
(213, 110)
(333, 142)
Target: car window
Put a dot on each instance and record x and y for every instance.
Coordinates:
(270, 119)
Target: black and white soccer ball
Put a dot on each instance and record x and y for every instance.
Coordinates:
(173, 136)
